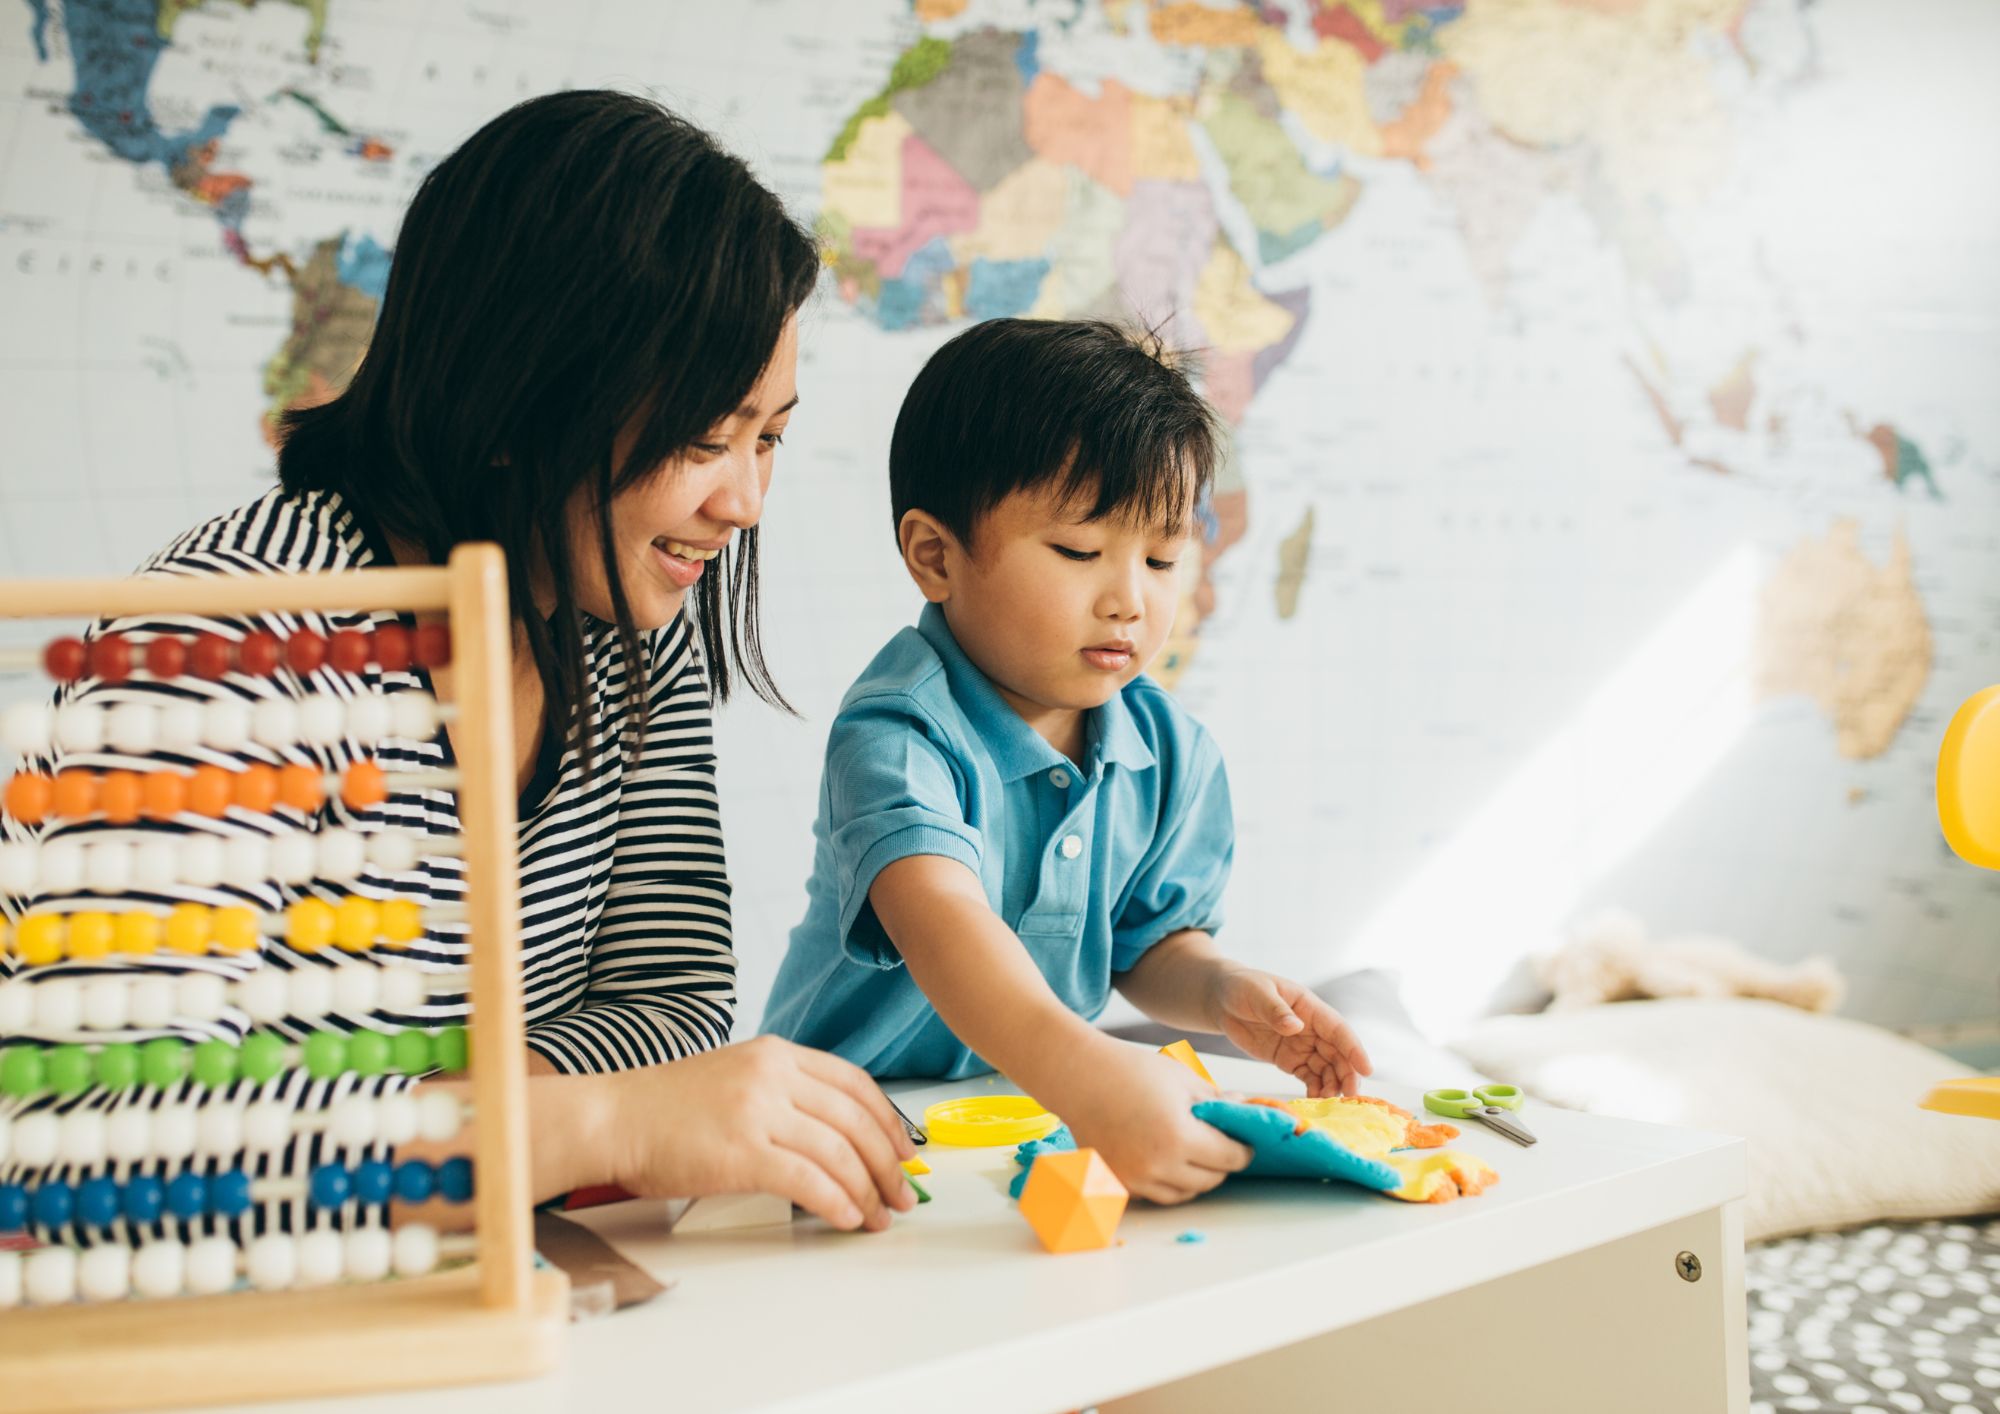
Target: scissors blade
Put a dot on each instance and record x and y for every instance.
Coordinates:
(1506, 1124)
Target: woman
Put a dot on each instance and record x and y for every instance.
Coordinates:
(587, 354)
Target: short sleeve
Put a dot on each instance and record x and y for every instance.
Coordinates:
(1180, 881)
(892, 791)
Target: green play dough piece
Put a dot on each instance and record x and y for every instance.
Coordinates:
(453, 1046)
(22, 1072)
(69, 1070)
(263, 1056)
(326, 1054)
(215, 1063)
(163, 1062)
(410, 1051)
(368, 1052)
(118, 1066)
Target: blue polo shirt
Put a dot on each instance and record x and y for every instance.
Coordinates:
(1089, 864)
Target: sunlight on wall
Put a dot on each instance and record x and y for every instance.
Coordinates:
(1508, 880)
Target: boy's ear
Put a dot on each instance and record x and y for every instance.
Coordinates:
(926, 553)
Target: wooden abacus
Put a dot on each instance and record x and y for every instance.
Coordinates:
(498, 1317)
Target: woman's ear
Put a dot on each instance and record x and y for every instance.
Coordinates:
(927, 549)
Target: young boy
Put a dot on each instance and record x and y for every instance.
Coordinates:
(1013, 819)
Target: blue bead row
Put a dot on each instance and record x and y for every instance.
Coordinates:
(144, 1199)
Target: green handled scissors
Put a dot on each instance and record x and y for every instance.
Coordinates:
(1491, 1105)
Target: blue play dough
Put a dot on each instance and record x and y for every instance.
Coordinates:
(1276, 1151)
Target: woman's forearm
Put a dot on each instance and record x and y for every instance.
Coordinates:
(570, 1126)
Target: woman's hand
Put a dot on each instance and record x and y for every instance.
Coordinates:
(762, 1116)
(1137, 1110)
(1274, 1019)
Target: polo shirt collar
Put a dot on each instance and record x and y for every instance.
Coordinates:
(1017, 749)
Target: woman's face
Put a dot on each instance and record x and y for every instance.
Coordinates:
(666, 527)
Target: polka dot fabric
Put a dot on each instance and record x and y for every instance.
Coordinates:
(1898, 1318)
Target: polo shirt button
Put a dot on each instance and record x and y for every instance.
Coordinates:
(1072, 846)
(1059, 778)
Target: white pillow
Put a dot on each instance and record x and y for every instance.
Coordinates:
(1829, 1106)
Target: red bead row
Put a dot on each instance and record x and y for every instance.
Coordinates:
(113, 656)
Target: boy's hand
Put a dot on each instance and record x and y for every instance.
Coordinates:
(1137, 1110)
(1277, 1020)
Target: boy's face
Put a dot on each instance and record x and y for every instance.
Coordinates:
(1059, 612)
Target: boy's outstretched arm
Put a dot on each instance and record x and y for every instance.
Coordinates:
(1184, 981)
(1133, 1107)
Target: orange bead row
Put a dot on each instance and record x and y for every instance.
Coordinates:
(124, 797)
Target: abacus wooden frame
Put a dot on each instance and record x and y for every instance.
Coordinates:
(499, 1319)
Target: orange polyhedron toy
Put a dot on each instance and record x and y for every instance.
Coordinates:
(1073, 1201)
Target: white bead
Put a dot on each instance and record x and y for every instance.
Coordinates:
(395, 1118)
(218, 1129)
(342, 854)
(51, 1277)
(322, 719)
(24, 728)
(10, 1280)
(415, 1248)
(263, 995)
(267, 1126)
(368, 718)
(368, 1254)
(107, 866)
(272, 1262)
(225, 724)
(200, 997)
(151, 1002)
(155, 864)
(319, 1257)
(311, 992)
(211, 1266)
(133, 728)
(36, 1138)
(275, 722)
(128, 1133)
(62, 866)
(80, 728)
(173, 1132)
(246, 861)
(17, 1007)
(105, 1272)
(350, 1123)
(293, 857)
(393, 851)
(356, 985)
(105, 1003)
(181, 727)
(201, 861)
(414, 715)
(59, 1005)
(403, 990)
(20, 868)
(438, 1115)
(82, 1138)
(159, 1269)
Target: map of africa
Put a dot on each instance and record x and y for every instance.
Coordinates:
(1609, 516)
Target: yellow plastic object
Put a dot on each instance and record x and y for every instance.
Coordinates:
(915, 1166)
(982, 1121)
(1073, 1201)
(1968, 780)
(1183, 1052)
(1978, 1096)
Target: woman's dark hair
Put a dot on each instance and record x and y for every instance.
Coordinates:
(585, 259)
(1105, 414)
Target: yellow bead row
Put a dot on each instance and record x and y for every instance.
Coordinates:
(355, 924)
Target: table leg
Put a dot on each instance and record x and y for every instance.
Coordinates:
(1615, 1327)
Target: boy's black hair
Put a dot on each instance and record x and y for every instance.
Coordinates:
(1104, 414)
(584, 259)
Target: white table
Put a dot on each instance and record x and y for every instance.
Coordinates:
(1555, 1291)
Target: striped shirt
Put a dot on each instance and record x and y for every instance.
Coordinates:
(624, 897)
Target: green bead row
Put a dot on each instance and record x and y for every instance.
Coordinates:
(28, 1071)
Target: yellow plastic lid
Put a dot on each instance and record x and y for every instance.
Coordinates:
(1976, 1095)
(1968, 780)
(982, 1121)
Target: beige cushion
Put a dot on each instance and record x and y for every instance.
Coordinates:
(1829, 1106)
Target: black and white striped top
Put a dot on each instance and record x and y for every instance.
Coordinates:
(625, 899)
